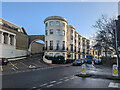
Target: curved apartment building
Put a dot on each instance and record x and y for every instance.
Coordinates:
(62, 39)
(55, 36)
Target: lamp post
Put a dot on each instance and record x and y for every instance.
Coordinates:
(116, 40)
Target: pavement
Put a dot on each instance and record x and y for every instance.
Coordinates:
(61, 77)
(27, 65)
(23, 65)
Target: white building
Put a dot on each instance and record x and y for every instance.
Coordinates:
(62, 39)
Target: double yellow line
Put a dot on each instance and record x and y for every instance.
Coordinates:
(13, 65)
(1, 68)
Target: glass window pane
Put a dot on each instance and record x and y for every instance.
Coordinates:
(46, 32)
(63, 32)
(58, 23)
(51, 31)
(58, 31)
(46, 24)
(51, 23)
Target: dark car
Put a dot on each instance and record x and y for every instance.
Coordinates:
(78, 62)
(4, 61)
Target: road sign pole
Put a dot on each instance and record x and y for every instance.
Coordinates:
(116, 40)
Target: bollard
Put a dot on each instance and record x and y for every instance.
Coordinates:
(83, 69)
(115, 70)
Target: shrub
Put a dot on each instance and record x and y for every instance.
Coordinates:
(55, 60)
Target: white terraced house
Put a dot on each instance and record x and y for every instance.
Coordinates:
(62, 39)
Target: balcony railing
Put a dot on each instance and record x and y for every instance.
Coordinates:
(54, 48)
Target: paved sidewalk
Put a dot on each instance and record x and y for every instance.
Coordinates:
(100, 71)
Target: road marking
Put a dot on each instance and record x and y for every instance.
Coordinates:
(13, 65)
(43, 84)
(50, 85)
(66, 80)
(53, 82)
(34, 87)
(65, 77)
(60, 79)
(23, 64)
(72, 78)
(59, 82)
(114, 85)
(1, 68)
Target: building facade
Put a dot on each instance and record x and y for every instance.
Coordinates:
(63, 39)
(13, 40)
(15, 43)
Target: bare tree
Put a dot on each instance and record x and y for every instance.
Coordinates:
(105, 35)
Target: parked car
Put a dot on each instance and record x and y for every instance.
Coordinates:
(4, 61)
(97, 61)
(89, 58)
(78, 62)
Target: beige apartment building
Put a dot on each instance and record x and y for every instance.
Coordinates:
(63, 39)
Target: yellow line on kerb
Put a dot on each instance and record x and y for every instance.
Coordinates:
(1, 68)
(13, 65)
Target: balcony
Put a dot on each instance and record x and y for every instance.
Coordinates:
(54, 48)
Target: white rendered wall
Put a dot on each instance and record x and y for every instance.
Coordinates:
(54, 36)
(8, 50)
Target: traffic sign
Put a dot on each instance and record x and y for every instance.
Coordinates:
(116, 53)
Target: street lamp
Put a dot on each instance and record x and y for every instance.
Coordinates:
(116, 40)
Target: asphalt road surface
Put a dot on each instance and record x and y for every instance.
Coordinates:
(59, 77)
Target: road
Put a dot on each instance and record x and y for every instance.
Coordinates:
(59, 77)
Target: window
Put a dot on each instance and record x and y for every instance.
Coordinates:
(51, 45)
(50, 54)
(51, 31)
(51, 23)
(46, 32)
(63, 32)
(46, 24)
(71, 37)
(46, 45)
(58, 23)
(57, 45)
(63, 45)
(58, 31)
(64, 24)
(57, 54)
(71, 47)
(71, 31)
(63, 54)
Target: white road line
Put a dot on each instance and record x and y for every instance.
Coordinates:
(34, 87)
(53, 82)
(60, 79)
(72, 78)
(43, 84)
(50, 85)
(114, 85)
(59, 82)
(65, 77)
(66, 80)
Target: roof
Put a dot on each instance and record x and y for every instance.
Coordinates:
(12, 26)
(71, 26)
(55, 18)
